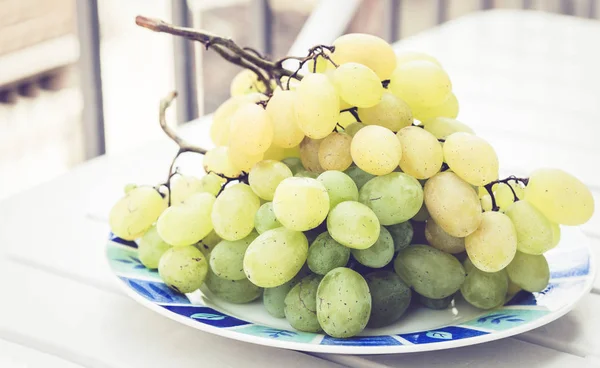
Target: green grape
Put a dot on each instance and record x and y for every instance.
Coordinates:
(266, 175)
(301, 304)
(485, 290)
(442, 127)
(301, 203)
(211, 183)
(560, 196)
(274, 298)
(367, 50)
(481, 192)
(334, 152)
(471, 158)
(358, 85)
(280, 109)
(438, 238)
(422, 154)
(244, 82)
(429, 271)
(243, 161)
(306, 174)
(530, 272)
(234, 211)
(309, 154)
(394, 197)
(359, 176)
(232, 291)
(379, 254)
(251, 130)
(217, 160)
(535, 233)
(294, 164)
(317, 106)
(319, 65)
(353, 224)
(275, 257)
(221, 122)
(486, 203)
(208, 243)
(183, 268)
(422, 215)
(353, 128)
(402, 234)
(452, 204)
(346, 118)
(340, 187)
(343, 303)
(391, 112)
(504, 196)
(227, 258)
(187, 223)
(512, 289)
(493, 245)
(447, 109)
(437, 304)
(135, 213)
(325, 254)
(421, 83)
(278, 153)
(129, 187)
(151, 247)
(183, 186)
(265, 218)
(376, 150)
(390, 298)
(403, 57)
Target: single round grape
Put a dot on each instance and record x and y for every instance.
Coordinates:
(294, 164)
(560, 196)
(442, 127)
(422, 154)
(353, 224)
(471, 158)
(183, 186)
(208, 243)
(504, 196)
(486, 203)
(421, 83)
(234, 211)
(301, 304)
(391, 112)
(437, 304)
(353, 128)
(334, 152)
(251, 130)
(280, 109)
(429, 271)
(244, 82)
(309, 154)
(485, 290)
(343, 303)
(340, 187)
(438, 238)
(227, 258)
(379, 254)
(265, 218)
(306, 174)
(394, 197)
(390, 298)
(376, 150)
(221, 122)
(232, 291)
(494, 244)
(274, 298)
(243, 161)
(358, 85)
(217, 160)
(183, 268)
(346, 118)
(301, 203)
(535, 233)
(359, 176)
(135, 213)
(266, 175)
(187, 223)
(325, 254)
(402, 234)
(403, 57)
(317, 106)
(447, 109)
(367, 50)
(422, 215)
(211, 183)
(151, 247)
(530, 272)
(452, 204)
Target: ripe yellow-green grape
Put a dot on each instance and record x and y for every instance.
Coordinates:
(422, 154)
(494, 244)
(233, 212)
(251, 130)
(471, 158)
(447, 109)
(309, 154)
(266, 175)
(280, 108)
(442, 127)
(421, 83)
(301, 203)
(403, 57)
(188, 222)
(358, 85)
(217, 160)
(535, 233)
(353, 224)
(376, 150)
(245, 82)
(334, 152)
(183, 268)
(243, 161)
(367, 50)
(391, 112)
(135, 213)
(317, 106)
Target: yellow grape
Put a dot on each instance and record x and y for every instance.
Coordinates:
(266, 175)
(481, 191)
(243, 161)
(233, 212)
(391, 112)
(322, 64)
(334, 152)
(353, 128)
(358, 85)
(421, 83)
(301, 203)
(188, 222)
(221, 123)
(422, 154)
(367, 50)
(183, 186)
(280, 109)
(135, 213)
(403, 57)
(494, 244)
(535, 233)
(317, 106)
(471, 158)
(486, 202)
(251, 130)
(245, 82)
(504, 196)
(443, 127)
(448, 109)
(560, 196)
(217, 160)
(346, 118)
(309, 154)
(376, 150)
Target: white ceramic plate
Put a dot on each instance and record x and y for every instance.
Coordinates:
(572, 272)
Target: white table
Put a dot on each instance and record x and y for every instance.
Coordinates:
(527, 82)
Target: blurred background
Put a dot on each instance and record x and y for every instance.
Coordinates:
(79, 79)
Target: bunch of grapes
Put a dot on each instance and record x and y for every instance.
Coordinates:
(341, 195)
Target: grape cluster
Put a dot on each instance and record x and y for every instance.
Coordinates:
(347, 193)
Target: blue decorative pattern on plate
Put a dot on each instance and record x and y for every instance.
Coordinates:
(572, 273)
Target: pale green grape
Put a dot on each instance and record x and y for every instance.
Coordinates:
(471, 158)
(301, 203)
(208, 243)
(422, 154)
(359, 176)
(232, 291)
(227, 258)
(294, 164)
(211, 183)
(309, 154)
(391, 112)
(402, 234)
(151, 247)
(334, 152)
(343, 303)
(512, 289)
(447, 109)
(486, 202)
(421, 83)
(340, 187)
(275, 257)
(403, 57)
(301, 304)
(183, 268)
(530, 272)
(438, 238)
(221, 123)
(244, 82)
(422, 215)
(437, 304)
(187, 223)
(306, 174)
(135, 213)
(390, 298)
(485, 290)
(319, 64)
(325, 254)
(274, 298)
(353, 224)
(243, 161)
(346, 118)
(265, 218)
(442, 127)
(358, 85)
(453, 204)
(278, 153)
(234, 211)
(535, 233)
(183, 186)
(379, 254)
(560, 196)
(353, 128)
(394, 197)
(251, 130)
(217, 160)
(367, 50)
(376, 150)
(494, 244)
(265, 176)
(504, 196)
(280, 109)
(317, 106)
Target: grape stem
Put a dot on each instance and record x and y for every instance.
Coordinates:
(488, 188)
(184, 146)
(354, 112)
